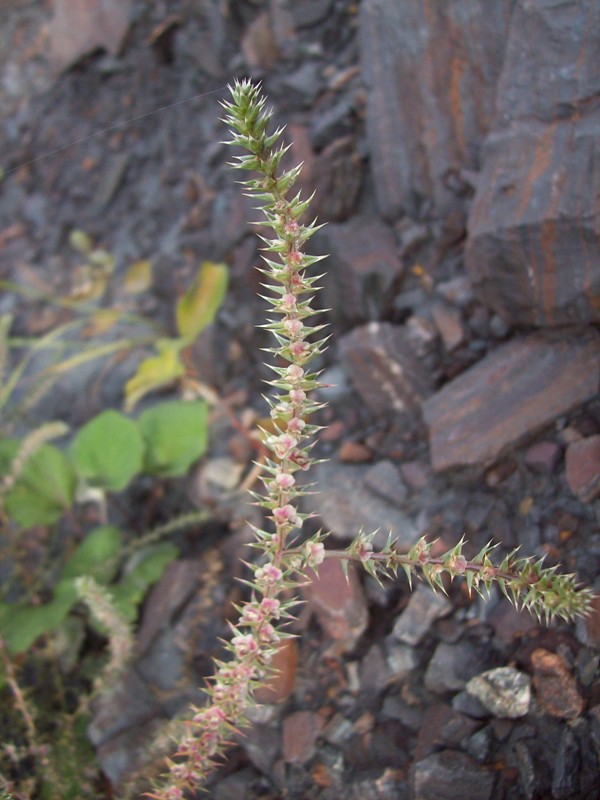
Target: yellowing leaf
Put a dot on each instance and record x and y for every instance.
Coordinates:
(101, 321)
(79, 240)
(155, 372)
(138, 277)
(199, 305)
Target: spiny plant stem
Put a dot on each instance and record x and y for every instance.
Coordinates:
(260, 629)
(255, 639)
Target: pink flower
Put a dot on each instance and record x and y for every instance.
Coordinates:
(292, 326)
(286, 515)
(244, 644)
(282, 445)
(270, 606)
(364, 550)
(267, 634)
(295, 373)
(315, 553)
(296, 425)
(210, 717)
(288, 302)
(299, 349)
(268, 574)
(250, 614)
(294, 258)
(291, 228)
(297, 396)
(284, 480)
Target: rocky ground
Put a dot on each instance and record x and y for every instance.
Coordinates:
(454, 154)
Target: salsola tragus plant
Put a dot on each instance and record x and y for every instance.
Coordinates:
(261, 625)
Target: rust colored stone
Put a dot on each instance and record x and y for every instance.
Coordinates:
(511, 394)
(79, 27)
(582, 461)
(281, 684)
(431, 69)
(555, 685)
(339, 604)
(533, 250)
(300, 732)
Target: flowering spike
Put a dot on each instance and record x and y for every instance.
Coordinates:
(257, 634)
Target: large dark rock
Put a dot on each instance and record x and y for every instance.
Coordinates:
(431, 69)
(382, 364)
(533, 250)
(512, 393)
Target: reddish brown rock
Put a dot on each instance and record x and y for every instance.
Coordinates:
(283, 680)
(79, 27)
(384, 369)
(533, 250)
(300, 732)
(582, 462)
(555, 685)
(339, 604)
(512, 393)
(543, 456)
(449, 324)
(431, 70)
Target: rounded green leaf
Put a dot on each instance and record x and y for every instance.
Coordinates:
(199, 305)
(97, 555)
(22, 626)
(175, 435)
(108, 451)
(44, 489)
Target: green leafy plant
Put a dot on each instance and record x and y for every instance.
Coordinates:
(282, 559)
(105, 456)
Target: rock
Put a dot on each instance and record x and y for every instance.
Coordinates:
(402, 660)
(504, 691)
(300, 732)
(431, 72)
(79, 27)
(180, 579)
(582, 461)
(533, 248)
(588, 628)
(130, 703)
(450, 774)
(339, 604)
(543, 456)
(442, 725)
(384, 368)
(555, 686)
(424, 607)
(259, 44)
(415, 474)
(362, 267)
(452, 665)
(262, 743)
(339, 179)
(345, 505)
(510, 394)
(390, 785)
(333, 122)
(375, 672)
(567, 768)
(449, 324)
(281, 683)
